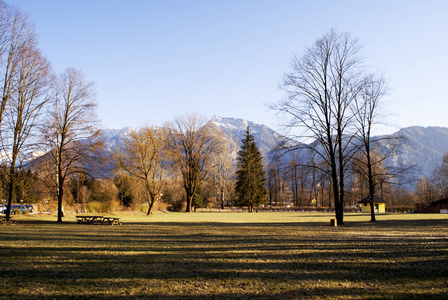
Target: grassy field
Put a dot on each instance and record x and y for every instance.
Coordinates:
(280, 255)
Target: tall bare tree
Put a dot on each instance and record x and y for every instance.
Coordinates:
(142, 158)
(17, 37)
(23, 111)
(71, 135)
(191, 143)
(224, 170)
(440, 178)
(426, 189)
(299, 170)
(321, 87)
(366, 112)
(24, 82)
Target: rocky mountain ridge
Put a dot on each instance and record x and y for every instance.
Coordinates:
(424, 146)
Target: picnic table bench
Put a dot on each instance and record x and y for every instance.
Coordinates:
(98, 220)
(111, 221)
(89, 219)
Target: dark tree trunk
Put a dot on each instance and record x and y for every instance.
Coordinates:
(151, 203)
(372, 210)
(60, 195)
(10, 196)
(12, 171)
(189, 202)
(222, 198)
(371, 185)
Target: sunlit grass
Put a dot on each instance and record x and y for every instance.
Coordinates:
(227, 255)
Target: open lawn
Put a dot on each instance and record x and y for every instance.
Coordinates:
(281, 255)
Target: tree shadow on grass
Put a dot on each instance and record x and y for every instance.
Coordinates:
(300, 293)
(302, 223)
(217, 257)
(421, 224)
(91, 257)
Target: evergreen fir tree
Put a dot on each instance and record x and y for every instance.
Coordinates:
(250, 184)
(198, 198)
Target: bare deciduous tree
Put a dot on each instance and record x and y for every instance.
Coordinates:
(142, 158)
(440, 178)
(191, 144)
(425, 190)
(17, 37)
(225, 168)
(24, 82)
(365, 110)
(23, 111)
(71, 134)
(321, 87)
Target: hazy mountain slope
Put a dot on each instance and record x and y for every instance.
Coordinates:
(113, 137)
(424, 148)
(265, 137)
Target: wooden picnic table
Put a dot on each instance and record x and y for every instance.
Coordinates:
(89, 219)
(98, 220)
(111, 221)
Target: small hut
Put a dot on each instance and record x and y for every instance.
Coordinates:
(380, 205)
(440, 206)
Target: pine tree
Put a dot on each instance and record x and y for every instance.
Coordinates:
(198, 198)
(250, 184)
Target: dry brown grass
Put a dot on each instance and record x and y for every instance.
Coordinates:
(227, 256)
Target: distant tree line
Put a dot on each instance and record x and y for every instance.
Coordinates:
(434, 187)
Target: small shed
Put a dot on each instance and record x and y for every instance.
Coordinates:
(380, 204)
(440, 206)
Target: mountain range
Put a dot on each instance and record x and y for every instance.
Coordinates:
(423, 146)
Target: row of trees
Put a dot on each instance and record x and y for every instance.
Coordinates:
(85, 193)
(195, 151)
(149, 163)
(436, 185)
(301, 183)
(186, 146)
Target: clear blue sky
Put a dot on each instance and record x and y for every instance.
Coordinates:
(155, 60)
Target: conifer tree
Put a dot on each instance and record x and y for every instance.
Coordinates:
(250, 184)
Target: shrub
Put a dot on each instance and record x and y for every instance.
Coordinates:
(178, 205)
(143, 207)
(102, 207)
(94, 207)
